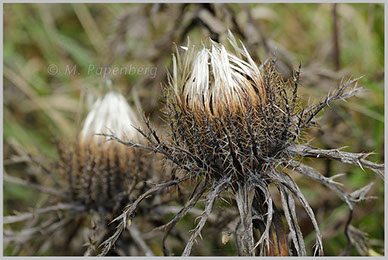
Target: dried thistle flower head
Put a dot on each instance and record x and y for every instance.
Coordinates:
(100, 172)
(223, 105)
(215, 80)
(97, 179)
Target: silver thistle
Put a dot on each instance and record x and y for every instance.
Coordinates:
(236, 128)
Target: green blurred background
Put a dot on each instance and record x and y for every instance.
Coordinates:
(40, 104)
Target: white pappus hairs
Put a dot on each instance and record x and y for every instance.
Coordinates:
(214, 79)
(110, 114)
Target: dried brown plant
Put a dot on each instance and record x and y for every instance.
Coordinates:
(236, 128)
(95, 179)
